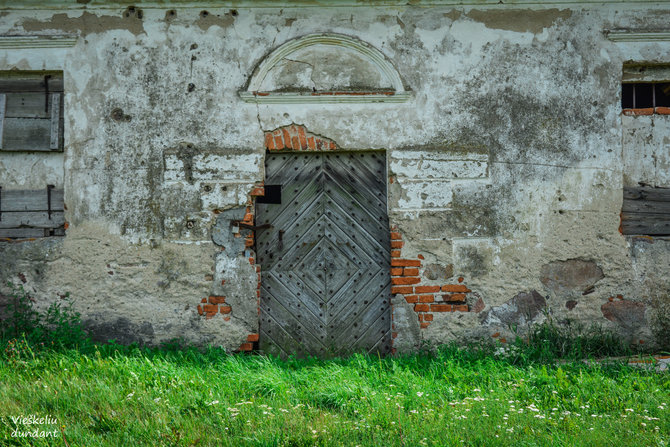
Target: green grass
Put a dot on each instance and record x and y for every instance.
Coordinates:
(113, 396)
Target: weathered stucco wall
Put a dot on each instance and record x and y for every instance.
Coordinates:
(506, 165)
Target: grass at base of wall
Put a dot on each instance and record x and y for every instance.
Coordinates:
(113, 396)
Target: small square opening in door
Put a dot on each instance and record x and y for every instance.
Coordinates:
(272, 195)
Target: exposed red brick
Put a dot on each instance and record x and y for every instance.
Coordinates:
(226, 318)
(258, 191)
(395, 253)
(216, 299)
(496, 335)
(295, 142)
(405, 280)
(425, 298)
(396, 271)
(427, 317)
(252, 337)
(402, 289)
(638, 112)
(424, 325)
(246, 347)
(460, 308)
(455, 288)
(460, 279)
(503, 340)
(279, 143)
(248, 217)
(251, 261)
(269, 141)
(248, 242)
(427, 289)
(422, 307)
(204, 300)
(223, 282)
(405, 263)
(210, 308)
(287, 137)
(411, 272)
(302, 138)
(397, 244)
(226, 309)
(663, 110)
(412, 299)
(200, 312)
(454, 297)
(421, 257)
(394, 335)
(440, 307)
(310, 143)
(395, 235)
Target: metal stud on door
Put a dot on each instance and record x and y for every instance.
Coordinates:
(325, 280)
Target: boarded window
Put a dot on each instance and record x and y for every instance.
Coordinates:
(31, 213)
(646, 211)
(31, 111)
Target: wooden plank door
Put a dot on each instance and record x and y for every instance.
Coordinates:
(325, 278)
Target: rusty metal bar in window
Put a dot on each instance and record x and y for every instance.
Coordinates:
(3, 102)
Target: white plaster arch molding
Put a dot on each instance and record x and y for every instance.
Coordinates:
(391, 88)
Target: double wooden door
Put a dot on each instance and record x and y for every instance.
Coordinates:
(324, 250)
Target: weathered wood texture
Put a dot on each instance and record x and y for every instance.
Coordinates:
(646, 211)
(31, 114)
(31, 213)
(325, 279)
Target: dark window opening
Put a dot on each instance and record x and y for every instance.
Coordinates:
(643, 95)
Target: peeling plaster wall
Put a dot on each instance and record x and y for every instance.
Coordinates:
(507, 158)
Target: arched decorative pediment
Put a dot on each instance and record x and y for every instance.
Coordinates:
(325, 68)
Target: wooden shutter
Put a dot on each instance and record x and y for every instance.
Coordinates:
(31, 112)
(31, 213)
(646, 211)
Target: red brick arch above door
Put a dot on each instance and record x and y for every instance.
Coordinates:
(298, 138)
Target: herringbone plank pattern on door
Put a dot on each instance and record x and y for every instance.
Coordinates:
(325, 279)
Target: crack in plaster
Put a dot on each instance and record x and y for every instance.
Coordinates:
(553, 166)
